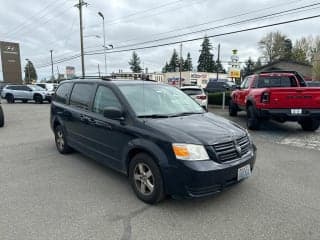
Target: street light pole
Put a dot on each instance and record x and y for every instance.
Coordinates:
(52, 76)
(104, 43)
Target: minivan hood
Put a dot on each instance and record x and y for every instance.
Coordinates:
(205, 129)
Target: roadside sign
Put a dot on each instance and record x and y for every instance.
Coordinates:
(234, 73)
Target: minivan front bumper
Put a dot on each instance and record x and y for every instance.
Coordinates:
(189, 179)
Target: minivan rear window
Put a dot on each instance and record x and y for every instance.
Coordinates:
(63, 93)
(81, 95)
(277, 81)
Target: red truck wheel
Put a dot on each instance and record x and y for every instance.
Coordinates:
(233, 110)
(309, 124)
(252, 119)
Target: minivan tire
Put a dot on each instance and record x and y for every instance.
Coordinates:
(144, 172)
(10, 98)
(252, 119)
(1, 117)
(61, 140)
(309, 124)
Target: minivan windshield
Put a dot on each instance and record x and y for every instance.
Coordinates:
(157, 100)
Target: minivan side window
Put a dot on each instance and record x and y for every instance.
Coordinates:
(81, 95)
(105, 98)
(63, 93)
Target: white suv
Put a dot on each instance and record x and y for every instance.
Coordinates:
(25, 93)
(198, 94)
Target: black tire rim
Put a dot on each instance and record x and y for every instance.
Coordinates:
(143, 179)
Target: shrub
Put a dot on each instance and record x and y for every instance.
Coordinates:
(216, 98)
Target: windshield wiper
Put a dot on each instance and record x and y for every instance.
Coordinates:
(154, 116)
(185, 114)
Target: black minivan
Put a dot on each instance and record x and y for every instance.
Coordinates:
(154, 133)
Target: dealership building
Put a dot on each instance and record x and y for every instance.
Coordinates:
(10, 63)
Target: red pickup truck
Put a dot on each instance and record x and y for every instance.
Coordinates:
(281, 96)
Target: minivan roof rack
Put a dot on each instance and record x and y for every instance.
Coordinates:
(106, 78)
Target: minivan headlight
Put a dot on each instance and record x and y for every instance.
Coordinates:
(190, 152)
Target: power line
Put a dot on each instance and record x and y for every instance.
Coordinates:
(43, 13)
(225, 25)
(282, 13)
(195, 39)
(95, 48)
(214, 21)
(221, 26)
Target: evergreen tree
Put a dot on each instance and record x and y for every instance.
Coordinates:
(287, 50)
(258, 63)
(205, 61)
(174, 62)
(187, 64)
(135, 63)
(30, 73)
(165, 68)
(248, 68)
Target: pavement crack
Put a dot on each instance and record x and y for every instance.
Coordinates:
(126, 220)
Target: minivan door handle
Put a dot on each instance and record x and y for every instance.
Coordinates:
(83, 118)
(102, 124)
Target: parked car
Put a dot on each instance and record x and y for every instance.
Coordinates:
(220, 86)
(49, 87)
(198, 94)
(281, 96)
(25, 93)
(154, 133)
(1, 116)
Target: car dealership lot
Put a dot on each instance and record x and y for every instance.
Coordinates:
(46, 195)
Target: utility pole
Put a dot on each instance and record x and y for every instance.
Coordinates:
(52, 76)
(218, 60)
(180, 67)
(99, 70)
(79, 5)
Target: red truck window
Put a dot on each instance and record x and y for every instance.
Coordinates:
(277, 81)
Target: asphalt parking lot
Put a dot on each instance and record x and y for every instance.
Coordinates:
(46, 195)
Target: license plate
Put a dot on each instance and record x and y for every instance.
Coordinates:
(296, 111)
(244, 172)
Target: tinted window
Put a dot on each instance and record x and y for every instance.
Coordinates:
(24, 88)
(245, 83)
(63, 92)
(105, 98)
(191, 91)
(277, 81)
(81, 95)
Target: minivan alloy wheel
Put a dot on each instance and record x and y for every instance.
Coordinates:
(144, 179)
(60, 140)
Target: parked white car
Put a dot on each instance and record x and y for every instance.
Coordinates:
(198, 94)
(25, 93)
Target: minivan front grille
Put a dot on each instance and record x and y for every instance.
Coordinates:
(231, 150)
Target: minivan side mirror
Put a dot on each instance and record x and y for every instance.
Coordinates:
(113, 113)
(238, 87)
